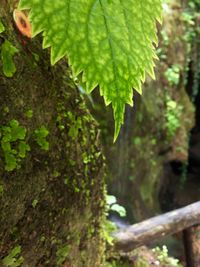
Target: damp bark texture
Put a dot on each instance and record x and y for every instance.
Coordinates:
(52, 202)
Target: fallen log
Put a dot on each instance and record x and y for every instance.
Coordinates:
(157, 227)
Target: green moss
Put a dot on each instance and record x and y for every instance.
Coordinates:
(173, 117)
(86, 158)
(72, 184)
(34, 203)
(29, 113)
(75, 126)
(61, 254)
(2, 28)
(56, 174)
(6, 110)
(1, 189)
(172, 75)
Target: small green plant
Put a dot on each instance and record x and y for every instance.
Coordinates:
(112, 205)
(7, 53)
(173, 74)
(13, 259)
(190, 16)
(13, 144)
(172, 116)
(34, 203)
(108, 226)
(40, 137)
(137, 140)
(165, 37)
(163, 257)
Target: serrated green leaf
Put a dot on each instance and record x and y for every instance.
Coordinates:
(7, 53)
(2, 28)
(110, 43)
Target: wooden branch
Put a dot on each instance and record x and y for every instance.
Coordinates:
(157, 227)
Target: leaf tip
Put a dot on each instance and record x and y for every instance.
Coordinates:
(119, 109)
(116, 133)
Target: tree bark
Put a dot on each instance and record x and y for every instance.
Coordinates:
(157, 227)
(52, 204)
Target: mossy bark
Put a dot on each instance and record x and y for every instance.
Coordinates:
(52, 204)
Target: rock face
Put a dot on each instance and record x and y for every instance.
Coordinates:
(51, 166)
(155, 132)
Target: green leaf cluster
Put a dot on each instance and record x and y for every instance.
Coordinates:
(112, 205)
(13, 144)
(109, 44)
(163, 257)
(173, 75)
(40, 137)
(108, 226)
(172, 116)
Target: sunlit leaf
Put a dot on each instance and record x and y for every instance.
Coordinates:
(108, 43)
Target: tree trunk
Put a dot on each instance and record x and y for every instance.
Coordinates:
(52, 202)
